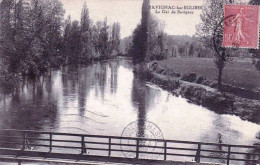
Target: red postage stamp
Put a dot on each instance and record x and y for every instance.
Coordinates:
(241, 26)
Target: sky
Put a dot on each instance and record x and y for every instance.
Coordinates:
(128, 14)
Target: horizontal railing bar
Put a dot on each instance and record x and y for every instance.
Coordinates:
(172, 154)
(16, 137)
(212, 157)
(176, 148)
(244, 153)
(117, 150)
(158, 153)
(204, 150)
(247, 160)
(3, 142)
(88, 142)
(38, 145)
(133, 145)
(203, 156)
(105, 149)
(245, 146)
(70, 141)
(98, 149)
(69, 147)
(160, 147)
(118, 144)
(179, 141)
(38, 139)
(129, 138)
(230, 145)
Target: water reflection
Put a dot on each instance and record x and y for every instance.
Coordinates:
(105, 97)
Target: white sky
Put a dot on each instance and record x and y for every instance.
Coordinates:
(128, 14)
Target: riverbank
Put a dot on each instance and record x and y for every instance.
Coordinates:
(240, 72)
(194, 89)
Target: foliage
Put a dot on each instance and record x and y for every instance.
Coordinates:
(211, 16)
(139, 49)
(149, 40)
(157, 40)
(34, 38)
(30, 34)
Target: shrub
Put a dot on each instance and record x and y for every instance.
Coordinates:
(257, 64)
(213, 84)
(189, 77)
(143, 72)
(200, 80)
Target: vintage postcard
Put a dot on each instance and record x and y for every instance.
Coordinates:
(147, 82)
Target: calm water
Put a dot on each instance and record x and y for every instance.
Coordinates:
(105, 97)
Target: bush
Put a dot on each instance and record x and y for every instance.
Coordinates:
(153, 65)
(213, 84)
(143, 72)
(200, 80)
(257, 64)
(192, 77)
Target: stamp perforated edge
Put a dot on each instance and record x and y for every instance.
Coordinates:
(241, 47)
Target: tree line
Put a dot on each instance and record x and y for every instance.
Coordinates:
(85, 41)
(34, 37)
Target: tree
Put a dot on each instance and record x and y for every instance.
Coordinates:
(191, 50)
(85, 39)
(33, 29)
(211, 16)
(66, 39)
(181, 50)
(157, 39)
(75, 42)
(115, 37)
(54, 13)
(104, 39)
(8, 80)
(136, 50)
(32, 39)
(140, 48)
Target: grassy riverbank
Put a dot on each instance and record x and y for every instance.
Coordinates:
(240, 72)
(200, 91)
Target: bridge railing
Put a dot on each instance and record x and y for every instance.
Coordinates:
(129, 147)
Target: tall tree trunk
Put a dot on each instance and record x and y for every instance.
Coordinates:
(220, 72)
(220, 65)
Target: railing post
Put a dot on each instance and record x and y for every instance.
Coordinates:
(50, 142)
(137, 149)
(82, 145)
(228, 157)
(165, 150)
(24, 140)
(197, 159)
(109, 147)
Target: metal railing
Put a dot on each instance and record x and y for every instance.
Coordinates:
(134, 148)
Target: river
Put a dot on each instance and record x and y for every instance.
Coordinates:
(103, 98)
